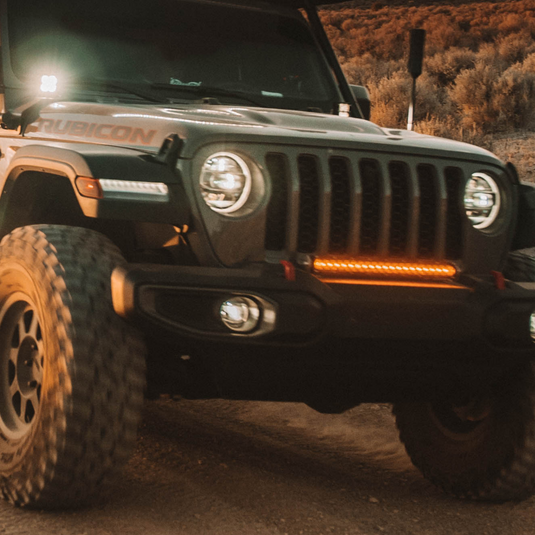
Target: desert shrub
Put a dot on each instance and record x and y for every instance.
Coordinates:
(489, 100)
(515, 47)
(511, 23)
(433, 126)
(513, 99)
(472, 94)
(391, 99)
(431, 101)
(442, 34)
(366, 70)
(445, 66)
(528, 65)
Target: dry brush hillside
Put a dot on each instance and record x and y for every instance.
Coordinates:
(479, 74)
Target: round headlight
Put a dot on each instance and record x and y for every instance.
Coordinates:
(225, 182)
(482, 200)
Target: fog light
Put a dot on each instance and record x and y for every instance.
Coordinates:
(532, 326)
(240, 314)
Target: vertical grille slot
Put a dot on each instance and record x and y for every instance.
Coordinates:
(309, 188)
(454, 221)
(370, 176)
(427, 225)
(277, 211)
(340, 205)
(399, 217)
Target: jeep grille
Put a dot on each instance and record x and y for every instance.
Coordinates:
(361, 206)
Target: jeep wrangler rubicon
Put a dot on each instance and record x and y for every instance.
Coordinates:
(193, 184)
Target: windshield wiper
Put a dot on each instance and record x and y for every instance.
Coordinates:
(107, 84)
(207, 91)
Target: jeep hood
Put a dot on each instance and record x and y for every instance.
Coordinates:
(146, 126)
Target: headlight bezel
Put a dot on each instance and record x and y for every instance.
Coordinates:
(245, 194)
(486, 222)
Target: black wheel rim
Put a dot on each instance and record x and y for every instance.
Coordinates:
(22, 361)
(453, 423)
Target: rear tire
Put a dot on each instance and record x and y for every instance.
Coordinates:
(71, 371)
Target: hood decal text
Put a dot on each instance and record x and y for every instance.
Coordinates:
(96, 131)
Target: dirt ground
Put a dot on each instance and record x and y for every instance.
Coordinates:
(241, 468)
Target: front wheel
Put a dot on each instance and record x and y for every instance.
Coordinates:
(482, 450)
(71, 371)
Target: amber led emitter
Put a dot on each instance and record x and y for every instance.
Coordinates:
(89, 187)
(394, 270)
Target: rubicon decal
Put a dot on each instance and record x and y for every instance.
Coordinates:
(96, 131)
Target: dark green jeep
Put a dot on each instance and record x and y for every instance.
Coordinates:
(193, 199)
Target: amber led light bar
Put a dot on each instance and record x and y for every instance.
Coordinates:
(393, 270)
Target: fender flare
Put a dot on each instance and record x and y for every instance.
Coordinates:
(102, 162)
(47, 160)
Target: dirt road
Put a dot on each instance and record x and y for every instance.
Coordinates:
(233, 468)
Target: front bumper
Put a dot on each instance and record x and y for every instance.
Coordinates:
(186, 301)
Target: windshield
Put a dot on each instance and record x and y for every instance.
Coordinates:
(177, 49)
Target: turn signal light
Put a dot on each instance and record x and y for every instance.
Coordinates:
(123, 190)
(391, 270)
(89, 187)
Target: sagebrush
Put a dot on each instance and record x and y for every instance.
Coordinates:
(479, 68)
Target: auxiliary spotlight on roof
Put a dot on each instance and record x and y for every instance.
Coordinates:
(390, 270)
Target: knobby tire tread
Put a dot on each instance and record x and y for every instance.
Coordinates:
(92, 406)
(513, 479)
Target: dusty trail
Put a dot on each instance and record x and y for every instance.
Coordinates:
(238, 468)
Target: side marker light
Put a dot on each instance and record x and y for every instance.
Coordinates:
(89, 187)
(126, 190)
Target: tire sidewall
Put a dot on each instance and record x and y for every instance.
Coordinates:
(22, 454)
(472, 464)
(475, 452)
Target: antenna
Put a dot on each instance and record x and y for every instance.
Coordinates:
(416, 59)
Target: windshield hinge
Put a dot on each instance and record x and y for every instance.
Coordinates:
(170, 151)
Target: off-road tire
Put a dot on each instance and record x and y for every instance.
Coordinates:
(491, 459)
(81, 405)
(520, 265)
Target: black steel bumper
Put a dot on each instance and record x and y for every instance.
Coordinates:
(186, 301)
